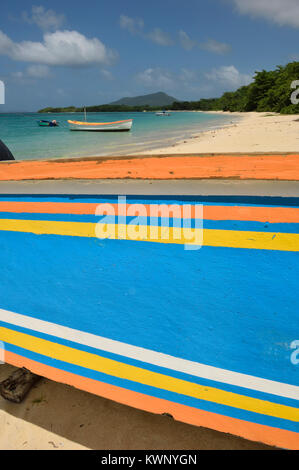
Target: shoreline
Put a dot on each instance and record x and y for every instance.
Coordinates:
(147, 134)
(236, 132)
(254, 132)
(150, 148)
(168, 142)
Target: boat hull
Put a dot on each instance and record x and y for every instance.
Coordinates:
(47, 124)
(181, 304)
(101, 127)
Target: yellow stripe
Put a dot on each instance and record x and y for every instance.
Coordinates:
(206, 237)
(49, 227)
(254, 240)
(146, 377)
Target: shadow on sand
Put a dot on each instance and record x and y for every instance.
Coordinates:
(57, 416)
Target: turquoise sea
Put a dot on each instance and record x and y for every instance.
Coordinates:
(26, 140)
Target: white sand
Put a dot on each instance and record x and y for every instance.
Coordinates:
(255, 132)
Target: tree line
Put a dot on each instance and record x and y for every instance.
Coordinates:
(102, 108)
(270, 91)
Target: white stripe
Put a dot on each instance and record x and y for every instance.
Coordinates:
(152, 357)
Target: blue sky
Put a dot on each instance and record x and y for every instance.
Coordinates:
(62, 53)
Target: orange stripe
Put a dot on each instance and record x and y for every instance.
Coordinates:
(48, 207)
(252, 431)
(263, 167)
(259, 214)
(98, 123)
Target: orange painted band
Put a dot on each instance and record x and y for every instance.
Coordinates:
(98, 123)
(245, 213)
(252, 431)
(245, 167)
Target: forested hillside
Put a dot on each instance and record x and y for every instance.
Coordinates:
(270, 91)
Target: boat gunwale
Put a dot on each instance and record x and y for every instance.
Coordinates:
(80, 123)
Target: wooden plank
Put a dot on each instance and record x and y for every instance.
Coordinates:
(283, 167)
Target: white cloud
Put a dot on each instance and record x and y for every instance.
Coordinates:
(156, 78)
(229, 76)
(5, 43)
(136, 26)
(63, 48)
(210, 45)
(186, 42)
(44, 19)
(107, 74)
(32, 72)
(133, 25)
(217, 47)
(188, 82)
(38, 71)
(188, 75)
(183, 83)
(282, 12)
(160, 37)
(18, 75)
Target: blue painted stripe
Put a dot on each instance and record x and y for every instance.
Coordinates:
(266, 201)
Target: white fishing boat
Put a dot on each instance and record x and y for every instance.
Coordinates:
(124, 125)
(163, 113)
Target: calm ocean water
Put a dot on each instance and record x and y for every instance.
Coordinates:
(27, 140)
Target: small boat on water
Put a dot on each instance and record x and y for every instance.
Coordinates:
(163, 113)
(44, 123)
(101, 126)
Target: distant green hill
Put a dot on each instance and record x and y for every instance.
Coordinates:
(153, 99)
(150, 102)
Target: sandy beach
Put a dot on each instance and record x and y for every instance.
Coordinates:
(255, 132)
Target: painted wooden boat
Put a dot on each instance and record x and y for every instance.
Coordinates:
(124, 125)
(44, 123)
(5, 153)
(208, 334)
